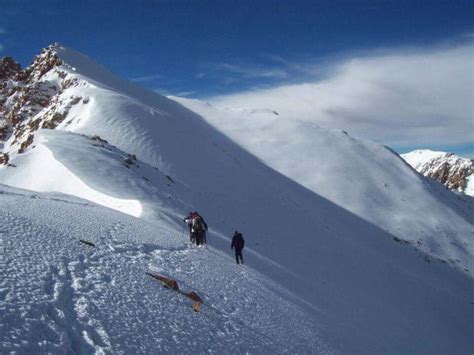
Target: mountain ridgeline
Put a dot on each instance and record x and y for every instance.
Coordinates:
(376, 256)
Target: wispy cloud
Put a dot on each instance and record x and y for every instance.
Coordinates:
(184, 93)
(252, 71)
(274, 58)
(230, 73)
(271, 70)
(2, 47)
(468, 35)
(162, 91)
(399, 97)
(178, 93)
(146, 78)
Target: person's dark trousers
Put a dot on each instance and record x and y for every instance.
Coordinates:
(192, 238)
(198, 239)
(238, 254)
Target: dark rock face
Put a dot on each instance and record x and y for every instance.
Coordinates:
(29, 99)
(453, 176)
(8, 68)
(4, 158)
(43, 63)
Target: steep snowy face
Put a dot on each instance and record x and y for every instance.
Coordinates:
(367, 179)
(454, 172)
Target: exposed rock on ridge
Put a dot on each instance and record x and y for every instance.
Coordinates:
(451, 170)
(30, 98)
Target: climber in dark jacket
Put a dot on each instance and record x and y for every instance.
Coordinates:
(197, 228)
(189, 221)
(238, 243)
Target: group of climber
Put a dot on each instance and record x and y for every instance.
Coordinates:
(198, 235)
(197, 228)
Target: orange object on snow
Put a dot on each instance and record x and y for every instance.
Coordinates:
(197, 306)
(167, 282)
(194, 296)
(173, 285)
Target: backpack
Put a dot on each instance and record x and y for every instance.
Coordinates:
(238, 240)
(197, 225)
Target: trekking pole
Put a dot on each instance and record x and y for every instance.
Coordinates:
(184, 227)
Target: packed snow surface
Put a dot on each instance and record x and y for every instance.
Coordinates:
(61, 296)
(54, 152)
(341, 255)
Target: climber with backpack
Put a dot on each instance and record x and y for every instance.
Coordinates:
(197, 228)
(238, 243)
(188, 220)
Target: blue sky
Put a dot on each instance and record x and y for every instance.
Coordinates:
(212, 48)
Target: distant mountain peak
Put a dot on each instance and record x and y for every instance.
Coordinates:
(455, 172)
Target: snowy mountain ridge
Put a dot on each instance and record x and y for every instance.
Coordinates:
(381, 189)
(337, 237)
(455, 172)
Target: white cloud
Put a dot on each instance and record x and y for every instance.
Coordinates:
(252, 72)
(146, 78)
(402, 97)
(183, 94)
(161, 91)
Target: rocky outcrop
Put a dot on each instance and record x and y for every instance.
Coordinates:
(453, 171)
(43, 63)
(30, 98)
(4, 159)
(8, 68)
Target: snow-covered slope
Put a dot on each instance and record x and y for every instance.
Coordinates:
(343, 261)
(60, 296)
(454, 172)
(367, 179)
